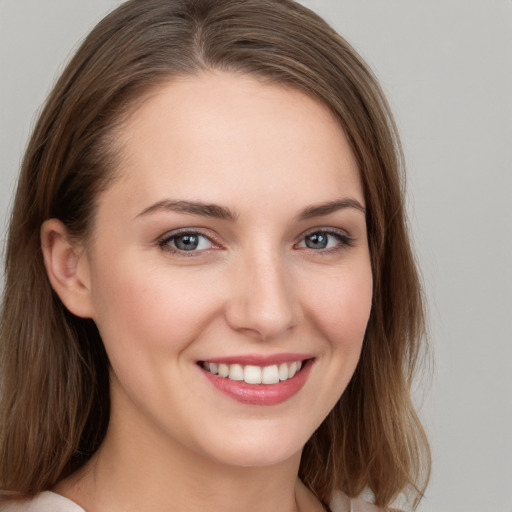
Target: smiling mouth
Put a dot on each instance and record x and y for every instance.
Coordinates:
(251, 374)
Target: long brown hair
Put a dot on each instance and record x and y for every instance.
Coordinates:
(54, 370)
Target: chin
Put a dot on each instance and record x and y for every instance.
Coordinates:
(258, 456)
(257, 446)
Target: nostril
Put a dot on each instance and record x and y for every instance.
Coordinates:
(264, 322)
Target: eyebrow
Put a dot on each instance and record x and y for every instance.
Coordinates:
(221, 212)
(192, 207)
(318, 210)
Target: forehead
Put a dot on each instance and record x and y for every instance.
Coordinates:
(226, 136)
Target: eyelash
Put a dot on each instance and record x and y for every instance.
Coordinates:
(344, 241)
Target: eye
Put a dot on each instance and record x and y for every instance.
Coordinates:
(186, 241)
(323, 240)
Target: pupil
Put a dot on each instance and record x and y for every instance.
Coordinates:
(316, 241)
(187, 242)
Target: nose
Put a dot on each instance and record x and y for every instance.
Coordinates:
(263, 302)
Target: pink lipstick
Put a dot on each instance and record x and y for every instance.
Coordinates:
(259, 380)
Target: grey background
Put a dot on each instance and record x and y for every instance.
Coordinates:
(446, 67)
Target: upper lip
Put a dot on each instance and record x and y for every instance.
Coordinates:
(259, 359)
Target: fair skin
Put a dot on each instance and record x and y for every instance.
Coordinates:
(276, 272)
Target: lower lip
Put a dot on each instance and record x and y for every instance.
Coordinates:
(261, 394)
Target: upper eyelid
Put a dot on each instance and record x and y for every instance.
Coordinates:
(325, 229)
(186, 231)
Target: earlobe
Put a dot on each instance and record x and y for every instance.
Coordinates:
(67, 268)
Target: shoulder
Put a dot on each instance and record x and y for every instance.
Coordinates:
(342, 503)
(45, 502)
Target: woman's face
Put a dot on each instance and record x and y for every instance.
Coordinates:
(233, 241)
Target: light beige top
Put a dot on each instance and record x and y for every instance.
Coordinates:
(51, 502)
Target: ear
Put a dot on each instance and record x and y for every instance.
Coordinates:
(67, 267)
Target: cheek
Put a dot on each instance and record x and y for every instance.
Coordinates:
(149, 310)
(342, 303)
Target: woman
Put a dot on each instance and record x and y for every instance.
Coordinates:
(208, 274)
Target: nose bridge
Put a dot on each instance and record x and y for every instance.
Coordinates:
(265, 302)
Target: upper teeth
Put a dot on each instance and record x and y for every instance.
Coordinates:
(255, 374)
